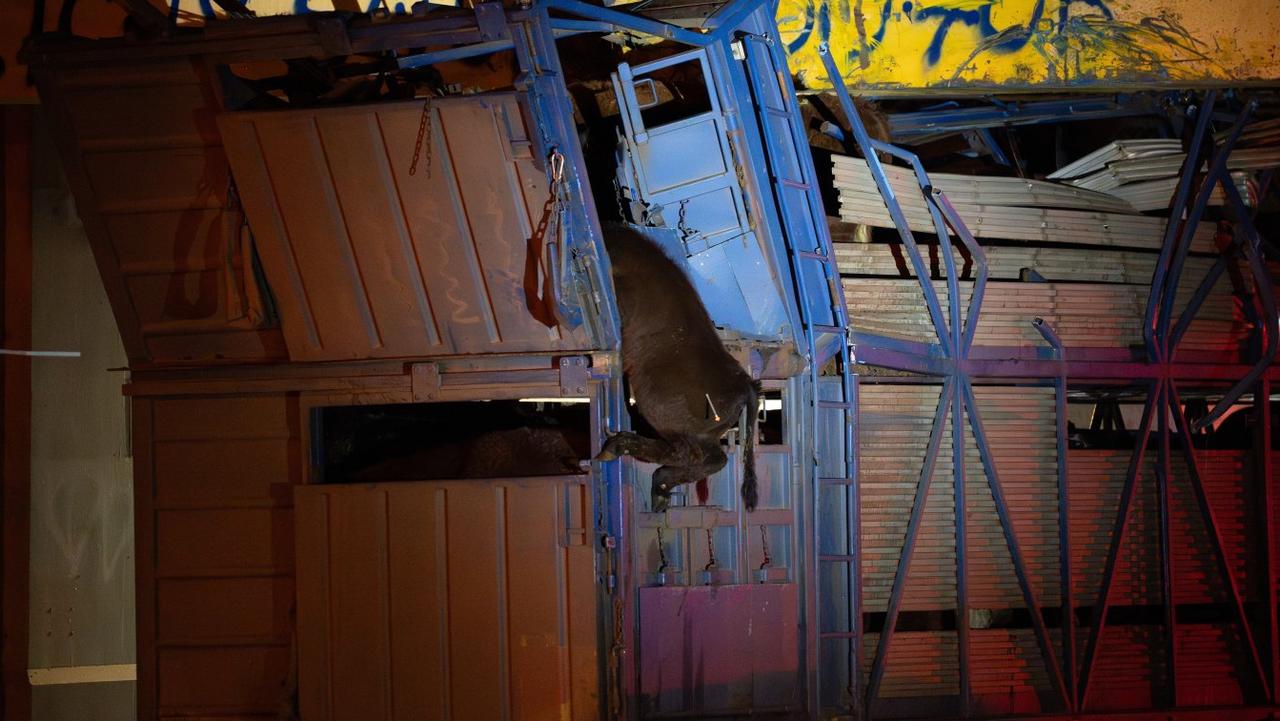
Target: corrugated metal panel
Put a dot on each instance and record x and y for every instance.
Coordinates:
(1131, 672)
(151, 183)
(1084, 314)
(1226, 477)
(920, 663)
(708, 649)
(1097, 478)
(1210, 665)
(1009, 673)
(458, 599)
(895, 431)
(215, 557)
(368, 260)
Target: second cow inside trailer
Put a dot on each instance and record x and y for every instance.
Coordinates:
(295, 277)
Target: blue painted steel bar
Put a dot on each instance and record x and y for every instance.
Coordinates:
(1102, 603)
(764, 30)
(1198, 297)
(1215, 535)
(962, 549)
(950, 120)
(1217, 169)
(1264, 292)
(939, 229)
(909, 543)
(853, 506)
(890, 200)
(629, 21)
(727, 19)
(463, 51)
(979, 259)
(476, 49)
(1064, 513)
(1011, 540)
(1189, 171)
(534, 42)
(1265, 479)
(1164, 476)
(582, 26)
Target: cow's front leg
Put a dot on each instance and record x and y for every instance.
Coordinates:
(626, 443)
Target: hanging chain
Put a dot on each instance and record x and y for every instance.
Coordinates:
(555, 196)
(424, 137)
(711, 552)
(764, 544)
(662, 552)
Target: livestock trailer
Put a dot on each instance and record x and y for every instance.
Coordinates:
(357, 265)
(436, 268)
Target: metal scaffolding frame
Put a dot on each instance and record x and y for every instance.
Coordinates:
(954, 359)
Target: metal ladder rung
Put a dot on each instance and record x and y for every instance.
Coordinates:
(821, 257)
(828, 329)
(794, 184)
(846, 405)
(844, 558)
(837, 481)
(838, 634)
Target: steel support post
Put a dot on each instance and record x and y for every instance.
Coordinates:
(1190, 169)
(1164, 479)
(1011, 540)
(1215, 535)
(1103, 601)
(909, 543)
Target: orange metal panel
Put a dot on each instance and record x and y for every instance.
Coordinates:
(229, 678)
(218, 611)
(240, 541)
(367, 260)
(708, 649)
(151, 182)
(215, 553)
(418, 569)
(444, 600)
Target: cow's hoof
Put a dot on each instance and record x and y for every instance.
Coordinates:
(609, 452)
(659, 503)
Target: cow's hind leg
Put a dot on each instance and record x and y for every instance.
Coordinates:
(704, 458)
(642, 448)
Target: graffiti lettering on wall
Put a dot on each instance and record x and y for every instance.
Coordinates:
(983, 43)
(930, 43)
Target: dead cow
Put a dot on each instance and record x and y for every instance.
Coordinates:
(684, 382)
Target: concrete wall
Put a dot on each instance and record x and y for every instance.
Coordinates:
(82, 590)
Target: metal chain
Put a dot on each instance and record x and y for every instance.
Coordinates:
(711, 552)
(764, 544)
(424, 136)
(662, 552)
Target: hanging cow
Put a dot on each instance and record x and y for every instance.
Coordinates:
(684, 382)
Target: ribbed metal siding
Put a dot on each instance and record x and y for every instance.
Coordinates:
(368, 260)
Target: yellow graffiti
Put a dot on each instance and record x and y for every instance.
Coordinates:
(1020, 43)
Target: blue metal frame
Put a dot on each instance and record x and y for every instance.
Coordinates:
(949, 359)
(910, 126)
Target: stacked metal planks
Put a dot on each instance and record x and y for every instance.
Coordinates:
(1085, 315)
(1033, 215)
(895, 424)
